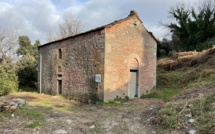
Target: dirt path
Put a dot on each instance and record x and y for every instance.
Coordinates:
(130, 118)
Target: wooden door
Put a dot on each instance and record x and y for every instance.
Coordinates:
(133, 88)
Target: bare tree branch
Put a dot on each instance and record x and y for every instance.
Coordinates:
(67, 26)
(8, 44)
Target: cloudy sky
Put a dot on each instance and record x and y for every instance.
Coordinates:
(34, 18)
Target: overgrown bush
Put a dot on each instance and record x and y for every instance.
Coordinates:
(27, 72)
(164, 48)
(8, 78)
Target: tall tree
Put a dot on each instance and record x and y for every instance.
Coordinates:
(193, 26)
(204, 19)
(67, 26)
(25, 46)
(27, 72)
(35, 49)
(180, 29)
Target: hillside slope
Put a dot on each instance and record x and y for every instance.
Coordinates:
(187, 82)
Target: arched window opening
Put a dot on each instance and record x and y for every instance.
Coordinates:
(59, 69)
(59, 54)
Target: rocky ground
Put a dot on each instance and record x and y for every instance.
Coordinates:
(61, 116)
(45, 114)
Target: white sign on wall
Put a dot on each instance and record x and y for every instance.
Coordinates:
(98, 78)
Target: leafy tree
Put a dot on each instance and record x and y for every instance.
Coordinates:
(25, 46)
(192, 26)
(8, 48)
(164, 48)
(8, 78)
(27, 72)
(35, 49)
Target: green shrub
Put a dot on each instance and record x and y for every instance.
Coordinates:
(6, 86)
(27, 72)
(8, 78)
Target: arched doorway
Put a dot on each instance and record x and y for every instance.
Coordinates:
(133, 90)
(59, 80)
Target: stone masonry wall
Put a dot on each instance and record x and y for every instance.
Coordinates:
(82, 58)
(128, 46)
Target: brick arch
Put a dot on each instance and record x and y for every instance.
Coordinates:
(134, 61)
(134, 64)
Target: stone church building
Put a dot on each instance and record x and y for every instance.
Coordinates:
(115, 60)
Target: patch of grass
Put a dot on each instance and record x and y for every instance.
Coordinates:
(33, 114)
(170, 83)
(174, 115)
(45, 103)
(112, 103)
(4, 115)
(30, 113)
(34, 124)
(118, 101)
(98, 128)
(65, 108)
(28, 89)
(122, 100)
(162, 93)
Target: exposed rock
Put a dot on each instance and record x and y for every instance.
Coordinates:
(6, 104)
(13, 107)
(153, 132)
(192, 131)
(6, 108)
(21, 102)
(188, 115)
(69, 121)
(12, 103)
(191, 120)
(190, 105)
(91, 127)
(60, 131)
(50, 120)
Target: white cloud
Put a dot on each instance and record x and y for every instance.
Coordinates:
(34, 18)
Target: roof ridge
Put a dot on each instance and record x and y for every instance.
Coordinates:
(132, 13)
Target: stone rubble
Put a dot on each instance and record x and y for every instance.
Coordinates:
(192, 131)
(191, 120)
(13, 105)
(91, 127)
(60, 131)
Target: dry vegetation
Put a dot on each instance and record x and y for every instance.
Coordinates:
(187, 82)
(187, 59)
